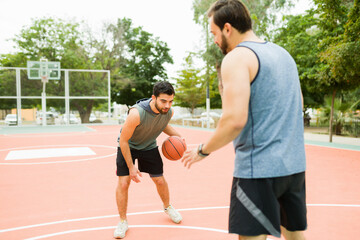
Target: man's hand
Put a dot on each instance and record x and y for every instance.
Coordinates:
(134, 172)
(190, 157)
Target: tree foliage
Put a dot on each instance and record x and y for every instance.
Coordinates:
(190, 86)
(342, 54)
(143, 65)
(339, 48)
(300, 37)
(135, 58)
(325, 44)
(262, 16)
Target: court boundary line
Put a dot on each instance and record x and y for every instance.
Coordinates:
(152, 212)
(130, 226)
(53, 162)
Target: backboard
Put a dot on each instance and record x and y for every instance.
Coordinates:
(39, 69)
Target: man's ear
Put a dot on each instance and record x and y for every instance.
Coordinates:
(227, 28)
(153, 97)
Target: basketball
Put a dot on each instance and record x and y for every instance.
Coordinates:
(173, 148)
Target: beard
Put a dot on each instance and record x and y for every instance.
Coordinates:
(161, 110)
(224, 45)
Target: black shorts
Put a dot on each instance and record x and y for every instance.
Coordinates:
(260, 206)
(149, 161)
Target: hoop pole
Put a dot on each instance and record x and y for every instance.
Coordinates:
(43, 104)
(18, 98)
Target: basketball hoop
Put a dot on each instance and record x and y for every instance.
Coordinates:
(44, 79)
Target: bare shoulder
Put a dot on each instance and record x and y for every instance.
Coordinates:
(133, 118)
(240, 59)
(240, 55)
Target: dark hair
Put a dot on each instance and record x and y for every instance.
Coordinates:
(233, 12)
(163, 87)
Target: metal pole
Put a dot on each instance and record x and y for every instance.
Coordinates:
(67, 99)
(207, 82)
(43, 104)
(109, 97)
(18, 97)
(44, 74)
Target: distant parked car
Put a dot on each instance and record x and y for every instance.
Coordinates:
(92, 117)
(11, 119)
(50, 118)
(211, 114)
(72, 119)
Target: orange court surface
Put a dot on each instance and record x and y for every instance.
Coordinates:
(60, 184)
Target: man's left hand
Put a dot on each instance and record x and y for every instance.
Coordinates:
(190, 157)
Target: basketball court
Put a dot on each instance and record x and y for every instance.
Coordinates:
(59, 183)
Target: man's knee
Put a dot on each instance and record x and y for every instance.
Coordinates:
(292, 235)
(159, 181)
(123, 183)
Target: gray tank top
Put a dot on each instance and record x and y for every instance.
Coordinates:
(272, 141)
(150, 127)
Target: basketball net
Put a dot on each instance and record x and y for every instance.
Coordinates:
(44, 79)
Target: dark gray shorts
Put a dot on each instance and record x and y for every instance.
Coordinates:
(260, 206)
(149, 161)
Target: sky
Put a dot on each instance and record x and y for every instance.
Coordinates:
(170, 20)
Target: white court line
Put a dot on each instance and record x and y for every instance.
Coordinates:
(151, 212)
(332, 205)
(66, 145)
(130, 226)
(65, 161)
(49, 152)
(108, 216)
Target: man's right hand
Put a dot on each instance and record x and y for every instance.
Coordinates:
(134, 172)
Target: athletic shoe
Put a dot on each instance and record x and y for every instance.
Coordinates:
(121, 229)
(173, 214)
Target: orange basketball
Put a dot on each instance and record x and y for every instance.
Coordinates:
(173, 148)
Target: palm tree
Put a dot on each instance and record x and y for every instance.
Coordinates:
(342, 111)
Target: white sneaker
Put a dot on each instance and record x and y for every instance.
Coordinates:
(174, 215)
(121, 229)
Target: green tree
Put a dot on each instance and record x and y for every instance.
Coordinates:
(8, 78)
(339, 54)
(190, 87)
(49, 38)
(341, 111)
(298, 36)
(263, 15)
(143, 66)
(353, 97)
(55, 40)
(135, 58)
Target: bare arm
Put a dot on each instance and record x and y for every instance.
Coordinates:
(235, 101)
(132, 121)
(169, 130)
(237, 73)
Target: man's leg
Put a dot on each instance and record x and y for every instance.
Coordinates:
(260, 237)
(122, 195)
(162, 189)
(296, 235)
(121, 201)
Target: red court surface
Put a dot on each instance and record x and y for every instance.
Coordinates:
(73, 197)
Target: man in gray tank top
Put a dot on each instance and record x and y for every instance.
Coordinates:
(146, 120)
(262, 115)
